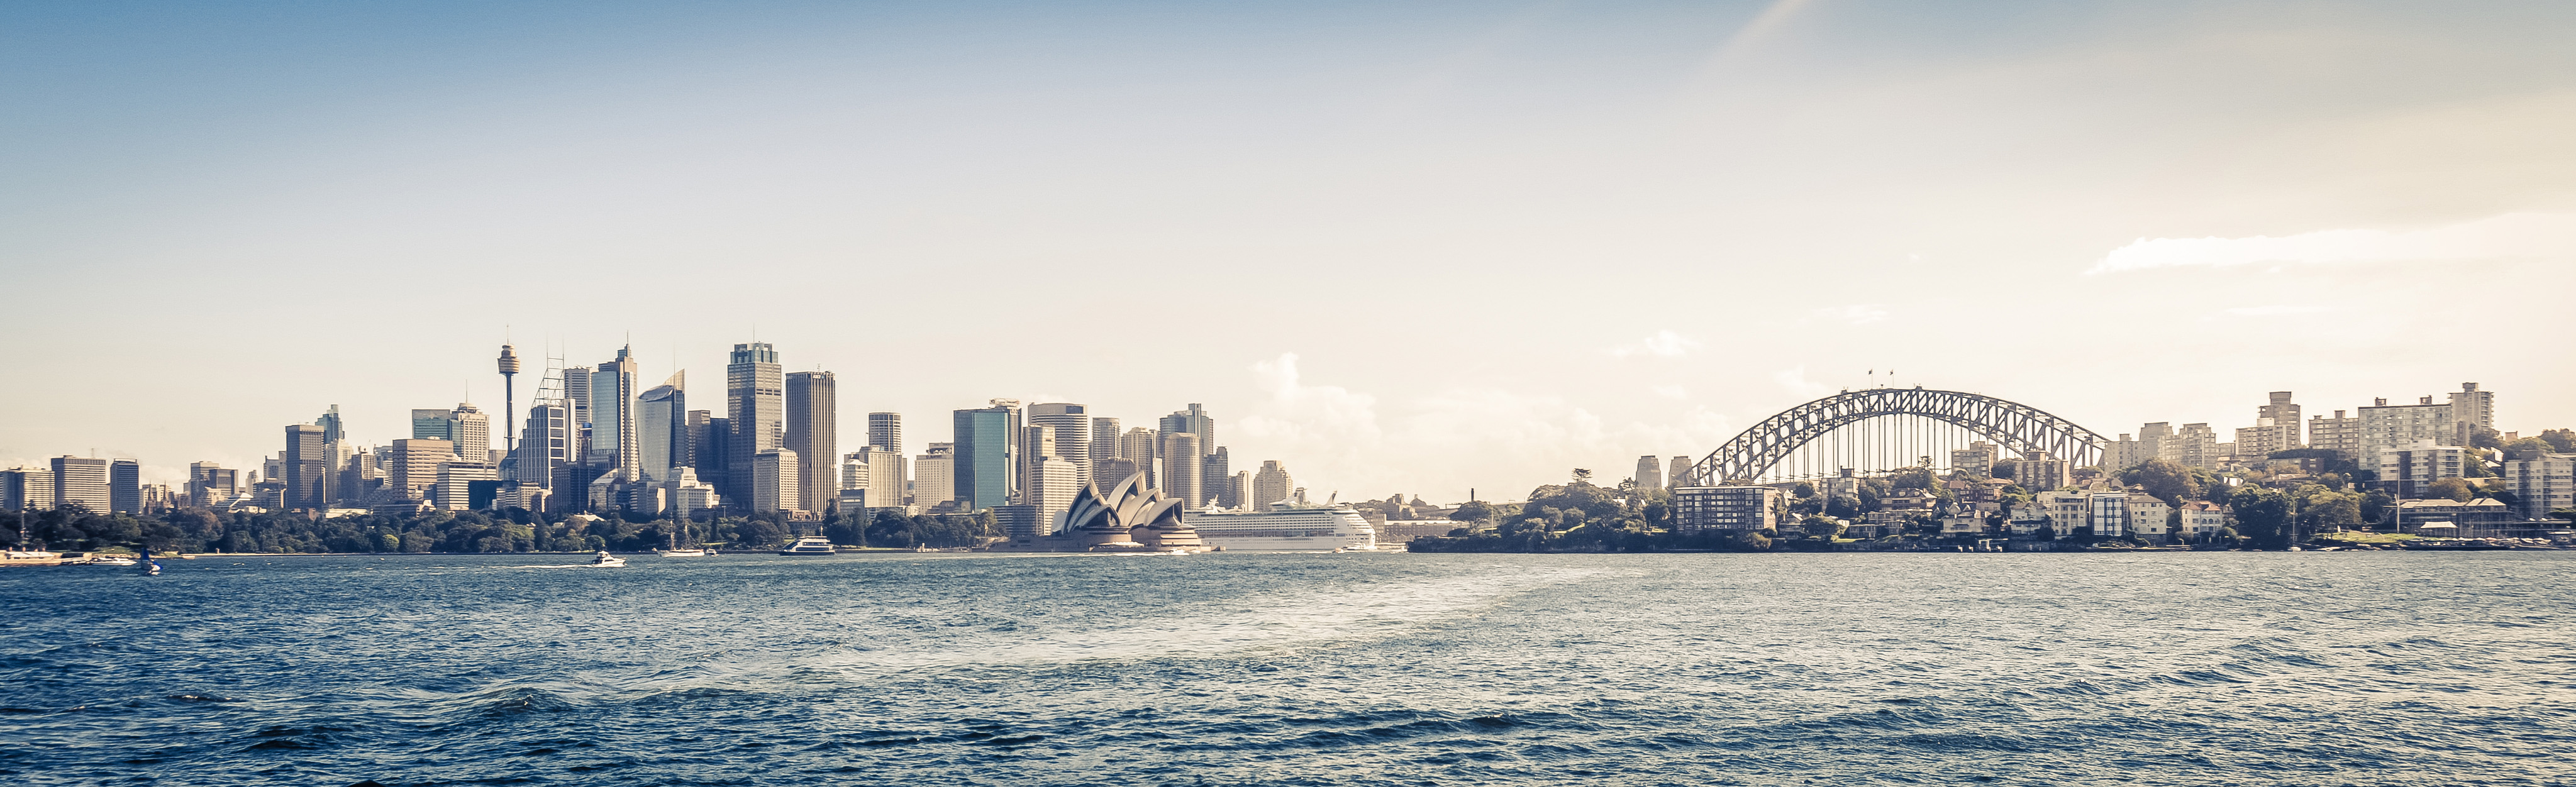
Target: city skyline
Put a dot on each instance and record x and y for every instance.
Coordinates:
(1429, 248)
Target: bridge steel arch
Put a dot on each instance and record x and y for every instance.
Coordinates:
(2016, 428)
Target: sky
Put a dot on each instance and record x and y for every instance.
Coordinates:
(1419, 248)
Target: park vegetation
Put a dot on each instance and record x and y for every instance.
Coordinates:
(72, 528)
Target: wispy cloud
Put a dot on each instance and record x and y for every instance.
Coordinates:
(1796, 381)
(1856, 314)
(2510, 236)
(2274, 310)
(1664, 343)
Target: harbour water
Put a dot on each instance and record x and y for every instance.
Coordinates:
(1786, 669)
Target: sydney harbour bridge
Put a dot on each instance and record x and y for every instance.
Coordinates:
(1877, 430)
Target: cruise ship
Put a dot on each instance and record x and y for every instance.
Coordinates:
(1290, 526)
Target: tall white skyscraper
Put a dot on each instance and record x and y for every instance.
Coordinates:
(1181, 468)
(813, 430)
(756, 403)
(1271, 485)
(775, 480)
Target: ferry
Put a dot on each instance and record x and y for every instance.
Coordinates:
(809, 545)
(1285, 527)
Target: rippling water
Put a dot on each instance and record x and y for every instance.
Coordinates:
(2201, 668)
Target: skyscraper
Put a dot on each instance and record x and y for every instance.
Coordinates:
(1052, 489)
(415, 466)
(1650, 472)
(125, 487)
(1142, 445)
(1271, 485)
(1015, 454)
(1194, 421)
(81, 481)
(1678, 473)
(305, 466)
(1105, 445)
(813, 426)
(612, 417)
(775, 480)
(884, 475)
(1181, 468)
(755, 404)
(545, 443)
(2471, 410)
(885, 430)
(473, 433)
(982, 458)
(210, 484)
(662, 427)
(26, 489)
(932, 482)
(1216, 480)
(1072, 434)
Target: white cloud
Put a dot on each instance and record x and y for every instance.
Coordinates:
(2274, 310)
(2510, 236)
(1502, 442)
(1665, 343)
(1670, 391)
(1796, 381)
(1856, 314)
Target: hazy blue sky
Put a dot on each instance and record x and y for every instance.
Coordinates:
(1407, 247)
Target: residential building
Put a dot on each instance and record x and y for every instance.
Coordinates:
(2442, 516)
(1979, 458)
(26, 489)
(981, 462)
(1071, 429)
(2196, 446)
(932, 480)
(2471, 410)
(2408, 471)
(2541, 482)
(2201, 518)
(813, 426)
(2109, 513)
(2276, 428)
(775, 480)
(2340, 434)
(755, 407)
(415, 466)
(2148, 517)
(2039, 471)
(1650, 472)
(885, 430)
(124, 487)
(306, 467)
(1732, 508)
(662, 428)
(2067, 510)
(2385, 426)
(1180, 451)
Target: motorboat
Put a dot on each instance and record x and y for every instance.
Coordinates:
(693, 552)
(809, 545)
(605, 560)
(151, 568)
(111, 561)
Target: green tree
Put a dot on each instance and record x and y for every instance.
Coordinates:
(1473, 511)
(2452, 488)
(2264, 515)
(2164, 480)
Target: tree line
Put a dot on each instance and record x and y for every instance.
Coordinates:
(74, 528)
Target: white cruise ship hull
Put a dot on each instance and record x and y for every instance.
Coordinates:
(1314, 529)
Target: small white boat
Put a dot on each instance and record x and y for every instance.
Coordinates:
(605, 560)
(111, 561)
(809, 545)
(684, 553)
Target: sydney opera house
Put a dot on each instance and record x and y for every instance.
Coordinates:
(1130, 518)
